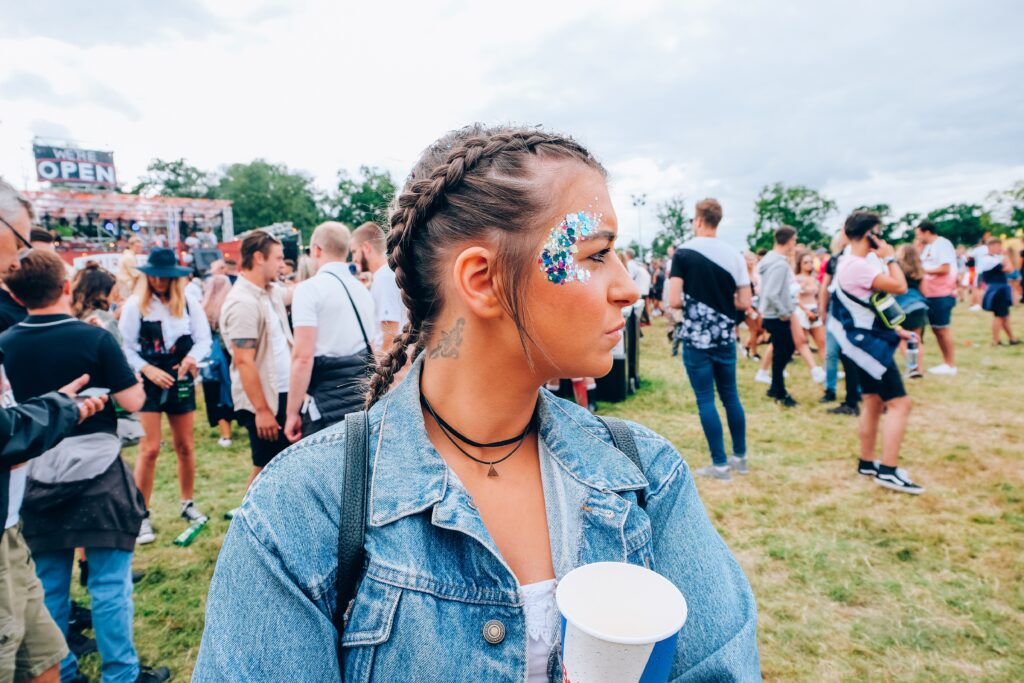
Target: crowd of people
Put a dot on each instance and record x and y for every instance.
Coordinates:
(288, 349)
(255, 333)
(826, 307)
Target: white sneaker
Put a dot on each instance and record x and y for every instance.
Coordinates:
(975, 307)
(943, 369)
(224, 442)
(146, 534)
(763, 376)
(818, 375)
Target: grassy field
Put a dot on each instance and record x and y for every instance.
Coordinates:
(853, 582)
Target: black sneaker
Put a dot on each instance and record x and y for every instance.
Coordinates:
(897, 480)
(786, 400)
(80, 618)
(868, 468)
(80, 644)
(844, 409)
(153, 675)
(828, 397)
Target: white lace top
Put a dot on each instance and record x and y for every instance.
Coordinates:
(542, 627)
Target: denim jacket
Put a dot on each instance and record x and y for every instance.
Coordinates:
(433, 575)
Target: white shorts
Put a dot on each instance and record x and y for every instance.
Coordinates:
(804, 321)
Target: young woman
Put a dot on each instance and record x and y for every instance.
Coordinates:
(912, 301)
(501, 242)
(755, 329)
(807, 314)
(128, 268)
(165, 336)
(91, 292)
(216, 375)
(993, 268)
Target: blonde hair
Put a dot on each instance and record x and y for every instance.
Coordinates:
(175, 296)
(333, 237)
(910, 261)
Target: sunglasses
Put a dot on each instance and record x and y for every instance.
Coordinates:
(26, 245)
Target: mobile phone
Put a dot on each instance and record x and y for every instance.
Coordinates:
(93, 392)
(872, 241)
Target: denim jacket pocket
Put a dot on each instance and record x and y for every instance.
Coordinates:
(368, 627)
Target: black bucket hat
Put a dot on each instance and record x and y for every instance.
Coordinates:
(163, 263)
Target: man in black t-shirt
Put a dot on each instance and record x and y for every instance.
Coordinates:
(79, 493)
(709, 281)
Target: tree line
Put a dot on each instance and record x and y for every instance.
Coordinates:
(808, 211)
(262, 192)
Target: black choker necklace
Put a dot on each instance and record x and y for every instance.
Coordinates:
(448, 431)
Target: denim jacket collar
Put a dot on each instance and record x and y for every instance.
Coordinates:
(410, 476)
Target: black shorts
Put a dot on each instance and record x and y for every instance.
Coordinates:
(178, 400)
(887, 388)
(264, 451)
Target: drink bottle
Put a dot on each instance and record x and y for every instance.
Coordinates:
(913, 349)
(186, 537)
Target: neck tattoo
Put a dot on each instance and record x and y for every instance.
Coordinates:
(451, 341)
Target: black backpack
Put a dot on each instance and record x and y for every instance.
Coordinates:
(352, 526)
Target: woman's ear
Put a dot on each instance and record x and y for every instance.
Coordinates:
(474, 278)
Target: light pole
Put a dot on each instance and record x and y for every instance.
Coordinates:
(639, 200)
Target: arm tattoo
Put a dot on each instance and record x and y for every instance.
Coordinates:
(244, 343)
(451, 340)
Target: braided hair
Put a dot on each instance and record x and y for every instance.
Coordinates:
(471, 183)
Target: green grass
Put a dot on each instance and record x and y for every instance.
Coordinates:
(853, 582)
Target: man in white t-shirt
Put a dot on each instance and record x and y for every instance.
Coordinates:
(938, 256)
(335, 323)
(369, 250)
(979, 252)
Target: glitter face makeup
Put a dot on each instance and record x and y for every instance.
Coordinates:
(557, 258)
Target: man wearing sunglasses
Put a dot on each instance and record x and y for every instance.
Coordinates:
(34, 644)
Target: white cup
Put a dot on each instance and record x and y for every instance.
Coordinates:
(619, 624)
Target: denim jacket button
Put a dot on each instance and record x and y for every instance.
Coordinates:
(494, 631)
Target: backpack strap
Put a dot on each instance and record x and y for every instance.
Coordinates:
(352, 523)
(622, 437)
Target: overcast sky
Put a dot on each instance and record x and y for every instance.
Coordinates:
(914, 103)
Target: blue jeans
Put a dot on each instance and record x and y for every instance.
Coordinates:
(708, 369)
(110, 585)
(831, 362)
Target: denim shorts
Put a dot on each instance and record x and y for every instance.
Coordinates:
(940, 311)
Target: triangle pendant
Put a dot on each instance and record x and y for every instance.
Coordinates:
(492, 472)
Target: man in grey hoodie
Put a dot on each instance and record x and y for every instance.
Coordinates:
(777, 305)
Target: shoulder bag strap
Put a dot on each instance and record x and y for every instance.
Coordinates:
(354, 310)
(622, 437)
(352, 523)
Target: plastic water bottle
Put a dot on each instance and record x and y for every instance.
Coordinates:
(913, 348)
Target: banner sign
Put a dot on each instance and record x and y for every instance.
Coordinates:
(72, 165)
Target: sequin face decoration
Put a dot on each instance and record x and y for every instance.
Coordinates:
(557, 258)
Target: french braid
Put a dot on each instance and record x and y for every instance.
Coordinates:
(464, 185)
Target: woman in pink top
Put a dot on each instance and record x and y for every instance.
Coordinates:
(807, 313)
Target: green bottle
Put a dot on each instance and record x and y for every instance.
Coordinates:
(186, 537)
